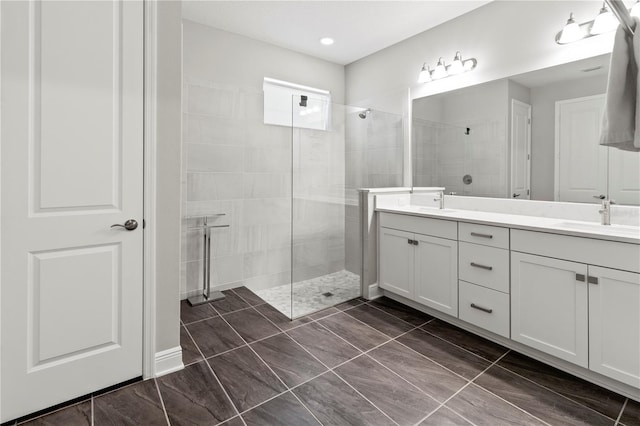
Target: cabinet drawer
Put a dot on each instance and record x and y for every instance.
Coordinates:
(485, 308)
(486, 266)
(420, 225)
(487, 235)
(609, 254)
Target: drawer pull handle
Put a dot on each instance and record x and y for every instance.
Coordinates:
(480, 308)
(476, 234)
(592, 280)
(409, 241)
(477, 265)
(414, 242)
(580, 277)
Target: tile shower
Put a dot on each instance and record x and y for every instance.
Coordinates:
(288, 195)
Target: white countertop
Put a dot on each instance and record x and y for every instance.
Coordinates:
(620, 233)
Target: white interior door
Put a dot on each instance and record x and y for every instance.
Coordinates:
(581, 162)
(520, 149)
(624, 176)
(71, 166)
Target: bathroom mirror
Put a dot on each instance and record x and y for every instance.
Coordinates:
(530, 136)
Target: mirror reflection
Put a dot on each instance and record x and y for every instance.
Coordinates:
(531, 136)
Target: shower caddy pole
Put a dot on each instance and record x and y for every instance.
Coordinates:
(206, 295)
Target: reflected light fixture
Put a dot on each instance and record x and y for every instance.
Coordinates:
(571, 32)
(327, 41)
(425, 74)
(458, 66)
(604, 22)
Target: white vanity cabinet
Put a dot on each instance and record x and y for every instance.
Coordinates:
(549, 306)
(574, 309)
(419, 260)
(614, 324)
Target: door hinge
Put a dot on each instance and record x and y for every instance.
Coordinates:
(528, 121)
(527, 192)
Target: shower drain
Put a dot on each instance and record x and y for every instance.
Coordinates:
(327, 294)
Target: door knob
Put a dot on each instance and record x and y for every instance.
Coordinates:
(129, 225)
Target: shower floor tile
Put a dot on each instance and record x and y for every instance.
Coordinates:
(309, 296)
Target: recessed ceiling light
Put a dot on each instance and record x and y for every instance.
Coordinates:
(327, 41)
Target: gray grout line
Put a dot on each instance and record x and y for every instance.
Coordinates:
(460, 347)
(305, 406)
(555, 392)
(215, 375)
(442, 404)
(396, 317)
(624, 405)
(164, 409)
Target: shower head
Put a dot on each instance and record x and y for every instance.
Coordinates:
(364, 113)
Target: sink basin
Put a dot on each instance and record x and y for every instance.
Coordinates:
(622, 230)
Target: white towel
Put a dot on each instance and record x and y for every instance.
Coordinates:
(622, 106)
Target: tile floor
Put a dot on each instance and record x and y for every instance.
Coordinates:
(307, 296)
(359, 363)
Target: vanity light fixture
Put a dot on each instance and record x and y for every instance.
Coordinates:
(458, 66)
(604, 22)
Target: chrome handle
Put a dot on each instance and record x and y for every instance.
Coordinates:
(477, 265)
(409, 241)
(600, 197)
(475, 234)
(480, 308)
(580, 277)
(129, 225)
(592, 280)
(515, 195)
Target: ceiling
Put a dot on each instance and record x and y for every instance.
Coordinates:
(359, 28)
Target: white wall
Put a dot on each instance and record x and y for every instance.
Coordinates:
(543, 109)
(234, 164)
(506, 37)
(169, 89)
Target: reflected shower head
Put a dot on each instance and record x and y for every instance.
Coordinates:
(364, 113)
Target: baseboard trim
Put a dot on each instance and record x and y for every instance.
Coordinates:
(374, 292)
(168, 361)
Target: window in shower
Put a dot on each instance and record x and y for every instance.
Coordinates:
(313, 105)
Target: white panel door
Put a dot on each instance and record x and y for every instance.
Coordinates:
(396, 261)
(436, 273)
(71, 159)
(520, 149)
(624, 176)
(549, 306)
(581, 162)
(614, 324)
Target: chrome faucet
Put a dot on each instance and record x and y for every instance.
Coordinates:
(605, 211)
(441, 199)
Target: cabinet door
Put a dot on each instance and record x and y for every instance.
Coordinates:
(614, 324)
(396, 261)
(549, 306)
(436, 273)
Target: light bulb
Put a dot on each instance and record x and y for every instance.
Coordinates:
(604, 22)
(635, 10)
(425, 74)
(571, 32)
(456, 66)
(440, 71)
